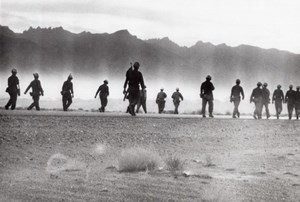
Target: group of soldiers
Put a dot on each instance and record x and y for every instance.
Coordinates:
(137, 97)
(67, 92)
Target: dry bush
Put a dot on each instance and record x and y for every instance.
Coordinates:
(174, 164)
(138, 159)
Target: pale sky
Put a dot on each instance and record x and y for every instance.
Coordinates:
(263, 23)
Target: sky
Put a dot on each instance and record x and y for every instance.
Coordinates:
(262, 23)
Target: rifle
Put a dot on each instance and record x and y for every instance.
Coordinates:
(125, 94)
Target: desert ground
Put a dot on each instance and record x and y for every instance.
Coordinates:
(73, 156)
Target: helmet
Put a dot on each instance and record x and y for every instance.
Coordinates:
(259, 84)
(70, 77)
(265, 84)
(36, 75)
(161, 88)
(177, 89)
(14, 71)
(208, 77)
(238, 81)
(136, 65)
(105, 81)
(278, 86)
(291, 86)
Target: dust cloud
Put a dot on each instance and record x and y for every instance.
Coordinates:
(86, 85)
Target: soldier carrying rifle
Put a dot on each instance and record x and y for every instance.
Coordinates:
(134, 79)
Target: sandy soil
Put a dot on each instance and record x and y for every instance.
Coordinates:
(73, 156)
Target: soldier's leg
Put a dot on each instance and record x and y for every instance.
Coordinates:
(267, 110)
(255, 113)
(210, 107)
(69, 101)
(64, 100)
(32, 104)
(144, 107)
(9, 101)
(290, 110)
(14, 101)
(36, 103)
(176, 108)
(204, 101)
(260, 106)
(138, 106)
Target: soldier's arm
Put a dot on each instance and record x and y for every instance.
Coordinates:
(181, 96)
(41, 89)
(251, 97)
(28, 88)
(273, 97)
(97, 92)
(72, 89)
(286, 97)
(142, 81)
(282, 96)
(107, 91)
(212, 87)
(242, 92)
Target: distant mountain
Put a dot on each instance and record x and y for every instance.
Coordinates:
(56, 49)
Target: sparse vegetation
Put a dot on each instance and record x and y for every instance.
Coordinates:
(174, 164)
(209, 162)
(138, 159)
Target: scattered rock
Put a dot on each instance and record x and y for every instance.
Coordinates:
(230, 169)
(104, 190)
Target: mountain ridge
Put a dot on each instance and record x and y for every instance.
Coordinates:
(56, 49)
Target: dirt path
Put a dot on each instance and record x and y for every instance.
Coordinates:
(56, 156)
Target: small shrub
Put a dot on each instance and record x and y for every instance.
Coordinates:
(209, 162)
(174, 164)
(138, 159)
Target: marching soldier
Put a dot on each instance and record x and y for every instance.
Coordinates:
(278, 97)
(177, 97)
(134, 79)
(297, 102)
(290, 100)
(37, 90)
(206, 93)
(235, 97)
(142, 100)
(67, 93)
(104, 93)
(266, 99)
(13, 90)
(256, 97)
(160, 100)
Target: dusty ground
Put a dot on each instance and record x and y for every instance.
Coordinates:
(73, 156)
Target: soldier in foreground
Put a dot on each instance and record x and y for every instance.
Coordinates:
(177, 97)
(256, 97)
(297, 102)
(206, 93)
(290, 100)
(266, 99)
(235, 97)
(142, 100)
(37, 90)
(134, 79)
(67, 93)
(104, 93)
(160, 100)
(278, 97)
(13, 90)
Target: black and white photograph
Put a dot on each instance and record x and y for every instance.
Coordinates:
(139, 100)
